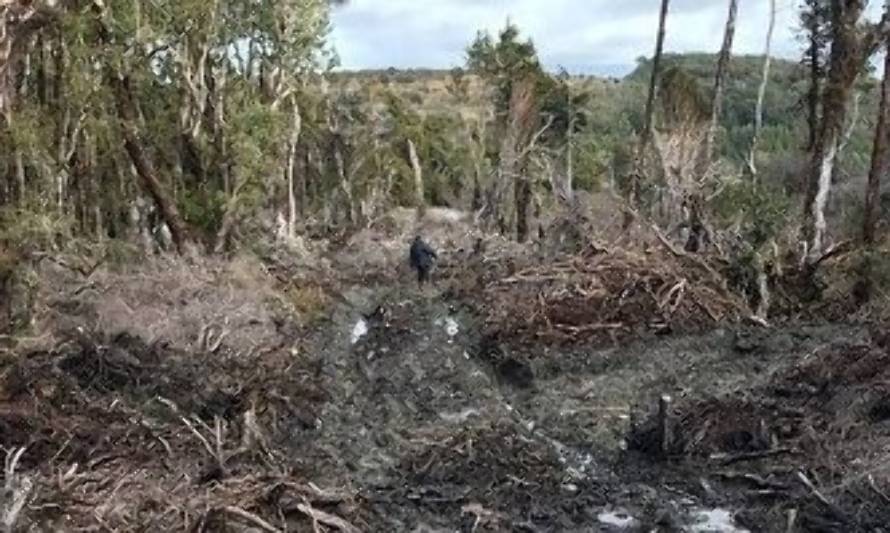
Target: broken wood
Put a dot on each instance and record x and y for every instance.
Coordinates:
(728, 459)
(252, 518)
(327, 518)
(835, 510)
(665, 425)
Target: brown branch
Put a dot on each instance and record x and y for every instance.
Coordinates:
(818, 495)
(327, 518)
(252, 518)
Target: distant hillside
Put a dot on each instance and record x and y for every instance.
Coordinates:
(784, 105)
(614, 109)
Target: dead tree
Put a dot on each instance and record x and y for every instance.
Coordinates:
(723, 59)
(761, 92)
(646, 133)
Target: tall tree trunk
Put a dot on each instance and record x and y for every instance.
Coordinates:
(521, 118)
(567, 192)
(296, 127)
(19, 21)
(814, 21)
(145, 168)
(880, 165)
(849, 50)
(761, 92)
(231, 213)
(128, 113)
(813, 97)
(523, 194)
(723, 59)
(649, 113)
(880, 159)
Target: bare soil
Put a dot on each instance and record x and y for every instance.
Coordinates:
(391, 408)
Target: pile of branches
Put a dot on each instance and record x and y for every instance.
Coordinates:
(611, 292)
(113, 433)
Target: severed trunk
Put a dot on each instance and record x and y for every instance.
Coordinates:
(723, 59)
(761, 92)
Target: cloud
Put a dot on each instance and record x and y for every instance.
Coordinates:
(592, 36)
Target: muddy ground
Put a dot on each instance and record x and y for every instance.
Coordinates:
(383, 407)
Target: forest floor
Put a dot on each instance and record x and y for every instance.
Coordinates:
(271, 395)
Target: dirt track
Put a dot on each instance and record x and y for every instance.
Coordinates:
(410, 419)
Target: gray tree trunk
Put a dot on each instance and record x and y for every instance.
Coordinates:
(707, 154)
(761, 92)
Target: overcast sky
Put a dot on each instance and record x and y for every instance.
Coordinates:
(590, 36)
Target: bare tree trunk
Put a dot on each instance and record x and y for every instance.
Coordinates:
(514, 149)
(19, 21)
(296, 128)
(814, 20)
(523, 194)
(880, 159)
(18, 160)
(849, 50)
(145, 168)
(719, 87)
(419, 195)
(648, 115)
(761, 92)
(880, 165)
(229, 218)
(568, 187)
(345, 186)
(128, 114)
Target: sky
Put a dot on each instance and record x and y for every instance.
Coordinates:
(602, 37)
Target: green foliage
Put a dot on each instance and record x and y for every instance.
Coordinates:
(784, 123)
(28, 228)
(759, 212)
(203, 210)
(503, 61)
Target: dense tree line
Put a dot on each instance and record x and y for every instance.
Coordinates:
(185, 124)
